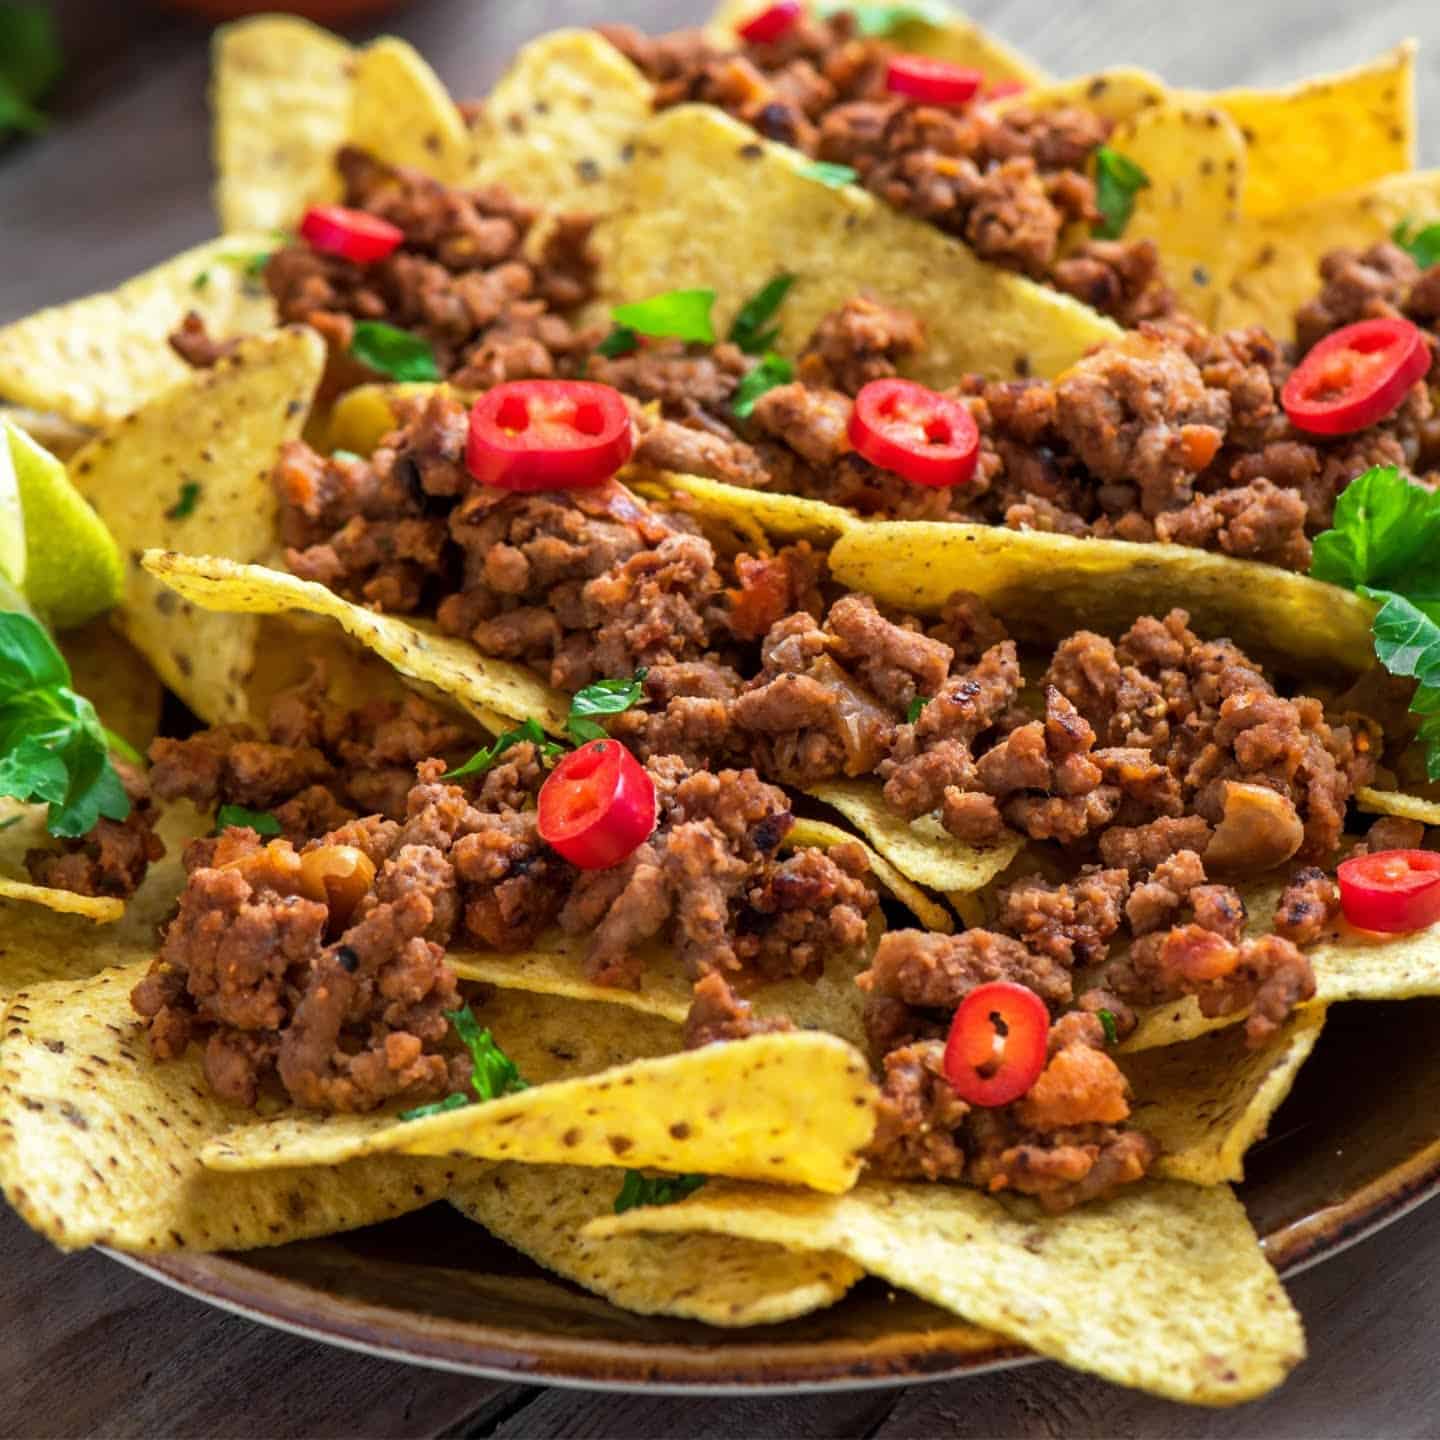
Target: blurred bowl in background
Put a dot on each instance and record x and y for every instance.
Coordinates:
(324, 12)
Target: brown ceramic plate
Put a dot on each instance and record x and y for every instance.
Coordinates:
(1356, 1145)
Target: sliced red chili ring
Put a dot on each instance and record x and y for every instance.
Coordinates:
(1355, 376)
(924, 437)
(548, 435)
(351, 234)
(597, 805)
(935, 82)
(997, 1043)
(772, 23)
(1394, 891)
(1003, 89)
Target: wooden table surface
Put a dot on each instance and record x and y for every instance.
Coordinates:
(88, 1347)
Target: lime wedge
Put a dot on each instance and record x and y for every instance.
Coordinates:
(12, 523)
(72, 567)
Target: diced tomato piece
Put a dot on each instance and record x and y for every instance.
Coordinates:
(921, 435)
(597, 805)
(1356, 376)
(548, 435)
(997, 1043)
(1395, 891)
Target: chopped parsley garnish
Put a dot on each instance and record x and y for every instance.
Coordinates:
(604, 697)
(1107, 1023)
(637, 1189)
(622, 340)
(1420, 243)
(831, 174)
(345, 455)
(262, 822)
(13, 820)
(185, 503)
(494, 1073)
(1382, 545)
(393, 352)
(913, 709)
(886, 19)
(482, 760)
(675, 315)
(772, 370)
(1118, 180)
(748, 330)
(436, 1107)
(53, 748)
(30, 64)
(201, 280)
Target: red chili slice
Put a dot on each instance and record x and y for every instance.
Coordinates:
(996, 1048)
(936, 82)
(924, 437)
(351, 234)
(770, 24)
(1003, 89)
(1395, 891)
(1356, 376)
(597, 805)
(548, 435)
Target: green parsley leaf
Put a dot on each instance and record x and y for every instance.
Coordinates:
(748, 330)
(345, 455)
(913, 709)
(262, 822)
(772, 370)
(1107, 1023)
(637, 1189)
(1421, 244)
(675, 315)
(482, 760)
(622, 340)
(53, 748)
(119, 745)
(886, 19)
(30, 64)
(184, 507)
(495, 1073)
(393, 352)
(13, 820)
(436, 1107)
(604, 697)
(1385, 534)
(201, 280)
(1118, 179)
(829, 173)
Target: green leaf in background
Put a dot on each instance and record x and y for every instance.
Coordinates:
(772, 370)
(30, 64)
(886, 19)
(494, 1073)
(831, 174)
(482, 760)
(638, 1189)
(675, 315)
(262, 822)
(393, 352)
(437, 1107)
(622, 340)
(1386, 533)
(748, 330)
(1118, 180)
(604, 697)
(1420, 243)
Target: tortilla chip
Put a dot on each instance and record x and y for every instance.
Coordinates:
(959, 40)
(1195, 158)
(1163, 1286)
(402, 114)
(930, 913)
(94, 360)
(495, 692)
(1349, 964)
(557, 127)
(114, 677)
(100, 1144)
(220, 432)
(1326, 135)
(1391, 802)
(541, 1209)
(920, 849)
(1050, 585)
(1209, 1100)
(40, 936)
(1279, 263)
(59, 436)
(797, 1107)
(1118, 94)
(706, 203)
(280, 95)
(782, 517)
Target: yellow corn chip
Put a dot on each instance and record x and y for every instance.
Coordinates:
(1325, 135)
(920, 849)
(959, 40)
(929, 912)
(495, 692)
(783, 517)
(699, 176)
(192, 471)
(541, 1209)
(114, 677)
(797, 1107)
(557, 127)
(403, 115)
(1209, 1100)
(1051, 585)
(100, 1144)
(280, 95)
(1163, 1286)
(94, 360)
(1278, 268)
(1118, 94)
(1391, 802)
